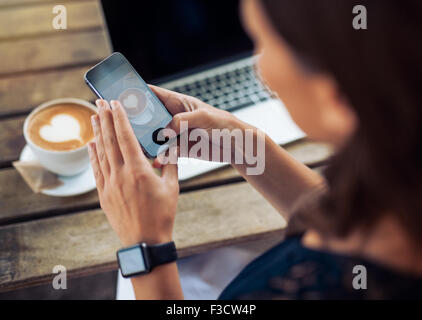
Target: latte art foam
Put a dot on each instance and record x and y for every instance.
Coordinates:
(61, 127)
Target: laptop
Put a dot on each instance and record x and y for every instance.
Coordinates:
(198, 48)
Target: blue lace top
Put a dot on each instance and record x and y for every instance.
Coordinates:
(292, 271)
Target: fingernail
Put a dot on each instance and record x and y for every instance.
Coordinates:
(93, 121)
(99, 103)
(114, 104)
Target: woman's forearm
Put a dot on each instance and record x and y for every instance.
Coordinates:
(161, 284)
(283, 180)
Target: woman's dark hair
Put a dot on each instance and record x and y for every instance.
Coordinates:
(379, 70)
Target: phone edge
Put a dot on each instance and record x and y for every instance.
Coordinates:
(149, 156)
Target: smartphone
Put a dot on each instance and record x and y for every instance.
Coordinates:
(114, 78)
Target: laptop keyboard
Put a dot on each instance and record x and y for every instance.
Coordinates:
(230, 90)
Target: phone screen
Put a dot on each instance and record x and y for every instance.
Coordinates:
(115, 79)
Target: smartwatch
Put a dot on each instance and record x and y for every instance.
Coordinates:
(142, 258)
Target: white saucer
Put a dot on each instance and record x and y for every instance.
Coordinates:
(72, 186)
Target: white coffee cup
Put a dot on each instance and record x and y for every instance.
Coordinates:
(65, 163)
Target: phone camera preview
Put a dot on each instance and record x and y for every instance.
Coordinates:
(138, 106)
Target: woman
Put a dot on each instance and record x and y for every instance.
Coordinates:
(357, 89)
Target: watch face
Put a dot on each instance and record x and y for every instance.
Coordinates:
(132, 261)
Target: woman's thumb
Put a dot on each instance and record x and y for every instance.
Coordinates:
(188, 120)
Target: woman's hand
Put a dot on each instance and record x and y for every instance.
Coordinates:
(198, 115)
(283, 180)
(139, 204)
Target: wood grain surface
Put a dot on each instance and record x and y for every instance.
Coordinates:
(11, 140)
(39, 63)
(24, 21)
(19, 203)
(52, 52)
(84, 242)
(19, 94)
(14, 3)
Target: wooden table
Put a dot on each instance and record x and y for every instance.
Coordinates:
(37, 232)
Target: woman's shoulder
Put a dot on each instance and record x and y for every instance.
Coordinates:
(291, 271)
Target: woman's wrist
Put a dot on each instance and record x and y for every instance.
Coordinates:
(236, 123)
(254, 140)
(149, 238)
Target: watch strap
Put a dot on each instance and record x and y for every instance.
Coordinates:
(162, 253)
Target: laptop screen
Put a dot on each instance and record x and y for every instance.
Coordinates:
(162, 38)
